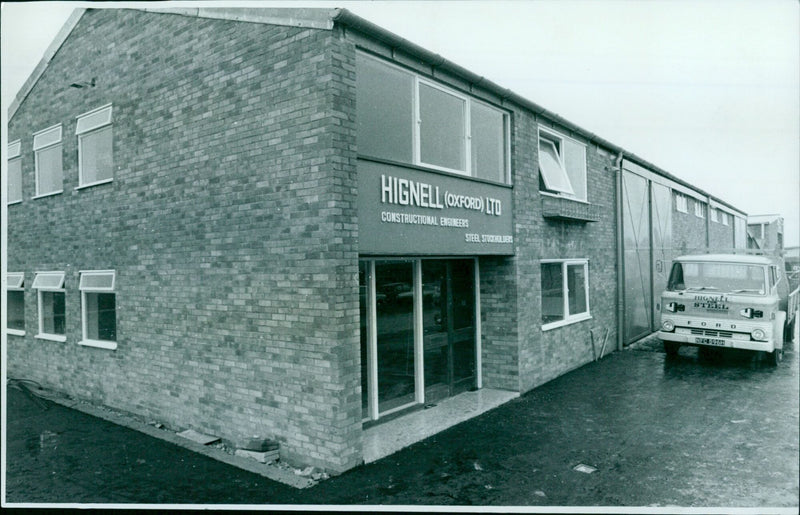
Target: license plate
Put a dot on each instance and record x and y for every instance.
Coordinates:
(710, 341)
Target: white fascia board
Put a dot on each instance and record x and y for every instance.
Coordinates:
(308, 17)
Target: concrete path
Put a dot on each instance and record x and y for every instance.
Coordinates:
(635, 429)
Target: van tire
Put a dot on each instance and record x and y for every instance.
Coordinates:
(671, 348)
(775, 357)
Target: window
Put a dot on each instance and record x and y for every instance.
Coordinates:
(98, 309)
(714, 214)
(404, 118)
(681, 203)
(14, 173)
(442, 128)
(52, 305)
(49, 172)
(562, 165)
(15, 302)
(699, 209)
(724, 218)
(565, 292)
(95, 153)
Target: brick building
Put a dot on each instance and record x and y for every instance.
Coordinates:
(765, 232)
(293, 223)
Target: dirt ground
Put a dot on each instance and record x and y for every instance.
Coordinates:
(654, 432)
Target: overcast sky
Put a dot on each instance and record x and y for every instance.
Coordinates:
(707, 90)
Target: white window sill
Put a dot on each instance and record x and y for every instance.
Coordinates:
(12, 202)
(96, 183)
(556, 195)
(15, 332)
(51, 337)
(568, 321)
(100, 344)
(682, 211)
(48, 194)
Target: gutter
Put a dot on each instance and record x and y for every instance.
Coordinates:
(436, 61)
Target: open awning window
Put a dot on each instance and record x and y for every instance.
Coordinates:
(48, 281)
(552, 169)
(97, 281)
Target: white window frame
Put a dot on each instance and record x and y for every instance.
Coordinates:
(570, 319)
(39, 146)
(15, 281)
(417, 123)
(552, 136)
(714, 214)
(14, 154)
(681, 203)
(88, 127)
(467, 171)
(58, 287)
(724, 218)
(84, 289)
(699, 212)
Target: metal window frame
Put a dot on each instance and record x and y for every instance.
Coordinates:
(416, 122)
(48, 289)
(14, 160)
(373, 410)
(97, 273)
(681, 203)
(569, 318)
(14, 149)
(85, 290)
(552, 136)
(15, 281)
(40, 146)
(37, 286)
(88, 127)
(81, 137)
(467, 171)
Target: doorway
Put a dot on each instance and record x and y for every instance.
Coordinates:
(419, 332)
(448, 327)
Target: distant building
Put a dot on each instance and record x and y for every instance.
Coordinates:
(765, 232)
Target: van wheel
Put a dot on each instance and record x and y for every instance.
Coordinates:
(775, 357)
(671, 348)
(788, 331)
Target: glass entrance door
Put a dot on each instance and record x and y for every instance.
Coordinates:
(418, 332)
(448, 317)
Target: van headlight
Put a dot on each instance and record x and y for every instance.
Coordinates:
(668, 326)
(759, 334)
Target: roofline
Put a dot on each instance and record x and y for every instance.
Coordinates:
(347, 18)
(51, 51)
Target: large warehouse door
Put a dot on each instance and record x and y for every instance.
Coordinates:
(661, 211)
(637, 256)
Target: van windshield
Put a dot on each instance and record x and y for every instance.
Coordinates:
(717, 277)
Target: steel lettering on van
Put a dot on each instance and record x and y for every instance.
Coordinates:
(711, 303)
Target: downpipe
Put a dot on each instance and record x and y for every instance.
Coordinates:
(620, 255)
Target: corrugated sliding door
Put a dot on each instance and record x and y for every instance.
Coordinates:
(661, 216)
(637, 256)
